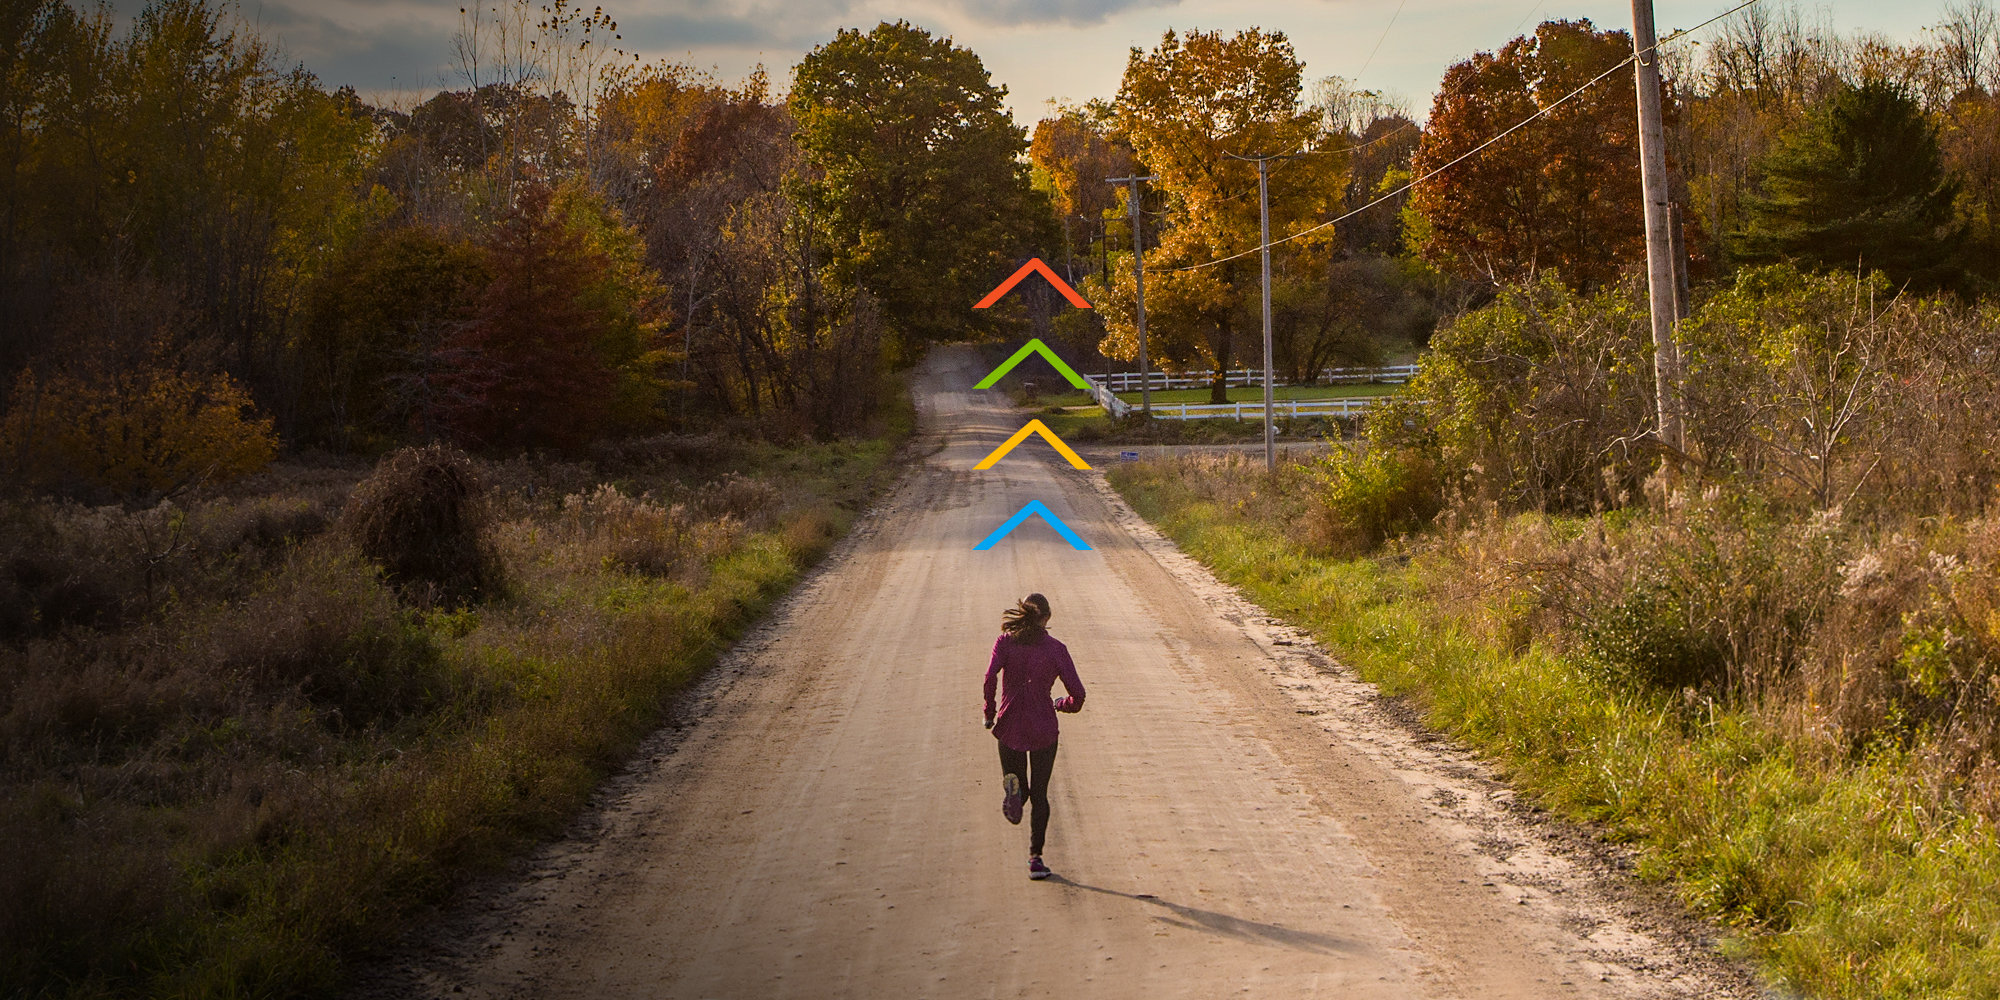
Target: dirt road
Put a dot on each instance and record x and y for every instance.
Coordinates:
(1233, 814)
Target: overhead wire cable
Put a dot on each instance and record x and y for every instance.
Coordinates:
(1406, 126)
(1468, 154)
(1370, 61)
(1303, 151)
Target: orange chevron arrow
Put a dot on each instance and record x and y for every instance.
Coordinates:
(1033, 266)
(1033, 427)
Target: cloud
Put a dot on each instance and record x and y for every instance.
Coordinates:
(402, 52)
(681, 31)
(1072, 13)
(404, 45)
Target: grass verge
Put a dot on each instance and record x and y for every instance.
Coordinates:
(232, 780)
(1846, 878)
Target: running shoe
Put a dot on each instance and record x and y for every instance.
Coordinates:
(1010, 807)
(1037, 870)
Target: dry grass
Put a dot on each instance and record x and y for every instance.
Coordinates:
(422, 516)
(1832, 800)
(233, 749)
(1777, 667)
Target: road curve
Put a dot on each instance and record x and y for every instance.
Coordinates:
(1233, 814)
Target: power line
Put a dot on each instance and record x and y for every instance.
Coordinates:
(1455, 161)
(1516, 127)
(1406, 126)
(1370, 61)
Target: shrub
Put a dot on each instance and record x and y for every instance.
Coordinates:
(41, 593)
(1540, 401)
(1648, 637)
(423, 518)
(1368, 497)
(65, 565)
(326, 627)
(608, 527)
(155, 429)
(1712, 592)
(1913, 644)
(752, 501)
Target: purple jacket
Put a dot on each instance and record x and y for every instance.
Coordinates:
(1025, 674)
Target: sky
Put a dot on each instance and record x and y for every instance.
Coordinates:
(1041, 50)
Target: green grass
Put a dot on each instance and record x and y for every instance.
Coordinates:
(1842, 879)
(1085, 426)
(1238, 394)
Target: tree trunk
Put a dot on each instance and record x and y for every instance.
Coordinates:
(1218, 342)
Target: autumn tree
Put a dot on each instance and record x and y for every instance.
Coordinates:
(1560, 194)
(809, 350)
(1969, 138)
(1381, 139)
(913, 176)
(682, 156)
(1861, 184)
(1075, 152)
(374, 319)
(561, 345)
(1186, 106)
(176, 161)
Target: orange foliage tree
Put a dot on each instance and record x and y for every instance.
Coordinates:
(154, 428)
(1560, 194)
(1187, 106)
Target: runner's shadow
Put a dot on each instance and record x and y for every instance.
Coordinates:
(1190, 918)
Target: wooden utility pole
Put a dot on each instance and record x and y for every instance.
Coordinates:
(1661, 278)
(1264, 248)
(1138, 283)
(1264, 234)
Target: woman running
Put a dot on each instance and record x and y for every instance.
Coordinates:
(1027, 660)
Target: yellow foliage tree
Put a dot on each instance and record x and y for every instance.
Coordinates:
(1187, 107)
(156, 428)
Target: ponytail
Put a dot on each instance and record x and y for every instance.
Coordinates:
(1027, 621)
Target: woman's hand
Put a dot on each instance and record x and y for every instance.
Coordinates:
(989, 722)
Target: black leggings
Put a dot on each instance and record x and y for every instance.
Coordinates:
(1033, 767)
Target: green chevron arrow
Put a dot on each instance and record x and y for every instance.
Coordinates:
(1033, 346)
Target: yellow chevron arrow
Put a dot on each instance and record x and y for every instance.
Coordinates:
(1034, 427)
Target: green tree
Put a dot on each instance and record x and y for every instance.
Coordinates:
(915, 179)
(1860, 184)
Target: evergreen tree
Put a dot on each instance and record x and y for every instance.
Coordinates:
(1859, 184)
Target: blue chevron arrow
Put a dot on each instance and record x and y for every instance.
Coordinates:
(1033, 507)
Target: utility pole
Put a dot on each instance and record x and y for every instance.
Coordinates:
(1662, 282)
(1138, 283)
(1264, 235)
(1104, 275)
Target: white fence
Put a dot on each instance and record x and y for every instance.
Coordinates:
(1129, 381)
(1107, 399)
(1349, 407)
